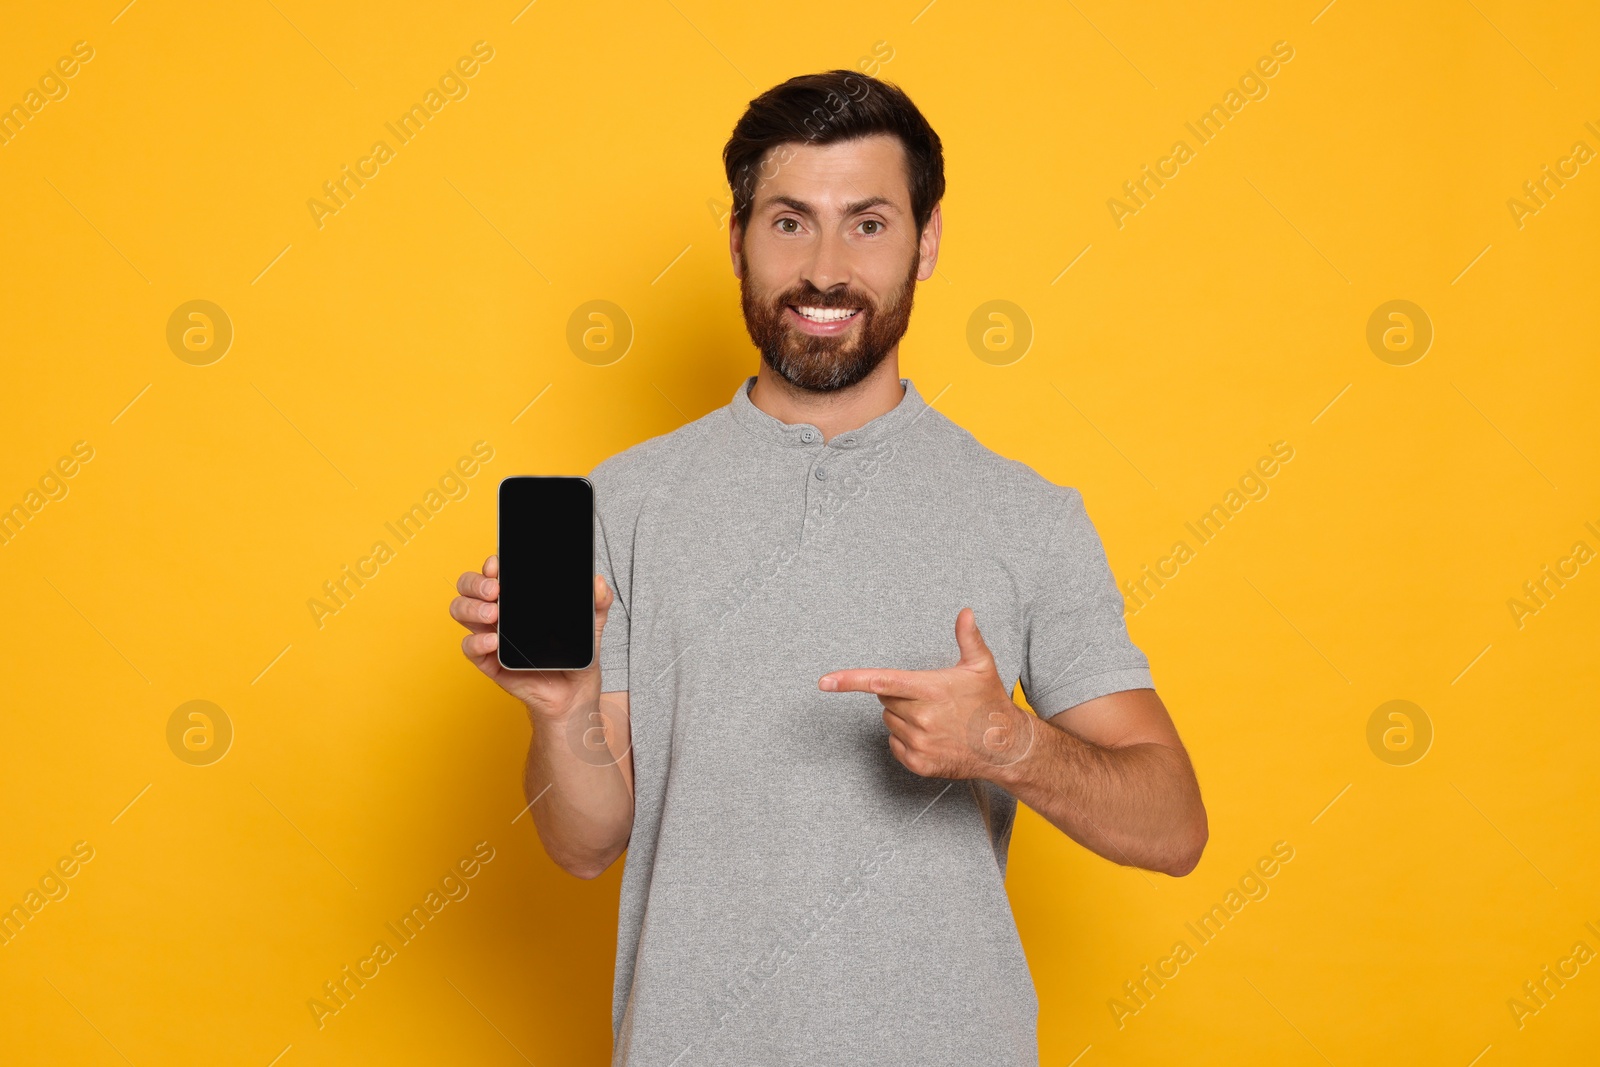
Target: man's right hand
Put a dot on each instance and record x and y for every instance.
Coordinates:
(553, 695)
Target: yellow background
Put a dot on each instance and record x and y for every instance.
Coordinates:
(370, 353)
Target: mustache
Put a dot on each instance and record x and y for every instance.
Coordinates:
(811, 296)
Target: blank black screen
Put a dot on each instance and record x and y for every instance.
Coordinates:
(546, 573)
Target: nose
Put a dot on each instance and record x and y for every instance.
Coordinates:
(829, 265)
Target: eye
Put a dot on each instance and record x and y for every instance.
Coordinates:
(785, 222)
(876, 223)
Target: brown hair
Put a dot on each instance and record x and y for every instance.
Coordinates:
(836, 105)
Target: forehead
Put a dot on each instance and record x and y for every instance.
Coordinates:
(832, 174)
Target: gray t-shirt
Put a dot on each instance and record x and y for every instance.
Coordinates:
(791, 893)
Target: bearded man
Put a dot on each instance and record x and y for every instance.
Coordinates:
(794, 726)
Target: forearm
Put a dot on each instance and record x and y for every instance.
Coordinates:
(1138, 805)
(581, 802)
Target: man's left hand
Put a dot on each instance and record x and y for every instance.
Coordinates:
(955, 722)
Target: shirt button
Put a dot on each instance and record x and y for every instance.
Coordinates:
(809, 436)
(819, 473)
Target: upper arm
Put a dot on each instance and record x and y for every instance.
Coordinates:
(1076, 650)
(1115, 720)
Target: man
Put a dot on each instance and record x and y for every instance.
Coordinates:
(794, 725)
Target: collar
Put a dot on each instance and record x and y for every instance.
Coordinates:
(801, 434)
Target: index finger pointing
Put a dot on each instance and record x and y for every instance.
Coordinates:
(878, 681)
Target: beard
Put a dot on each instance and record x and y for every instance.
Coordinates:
(825, 364)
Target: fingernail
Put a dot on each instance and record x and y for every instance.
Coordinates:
(827, 683)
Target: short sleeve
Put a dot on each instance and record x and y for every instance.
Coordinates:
(1077, 643)
(613, 560)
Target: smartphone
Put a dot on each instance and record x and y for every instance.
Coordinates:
(546, 573)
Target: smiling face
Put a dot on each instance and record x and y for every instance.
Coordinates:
(830, 259)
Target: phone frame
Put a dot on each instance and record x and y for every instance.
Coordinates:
(500, 543)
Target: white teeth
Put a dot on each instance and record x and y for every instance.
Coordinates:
(826, 314)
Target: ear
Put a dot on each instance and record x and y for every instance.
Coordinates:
(735, 243)
(928, 244)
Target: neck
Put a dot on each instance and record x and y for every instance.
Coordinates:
(836, 412)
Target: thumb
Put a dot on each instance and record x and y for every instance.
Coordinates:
(974, 651)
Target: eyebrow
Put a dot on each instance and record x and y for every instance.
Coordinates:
(855, 207)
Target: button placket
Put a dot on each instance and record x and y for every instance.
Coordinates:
(816, 490)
